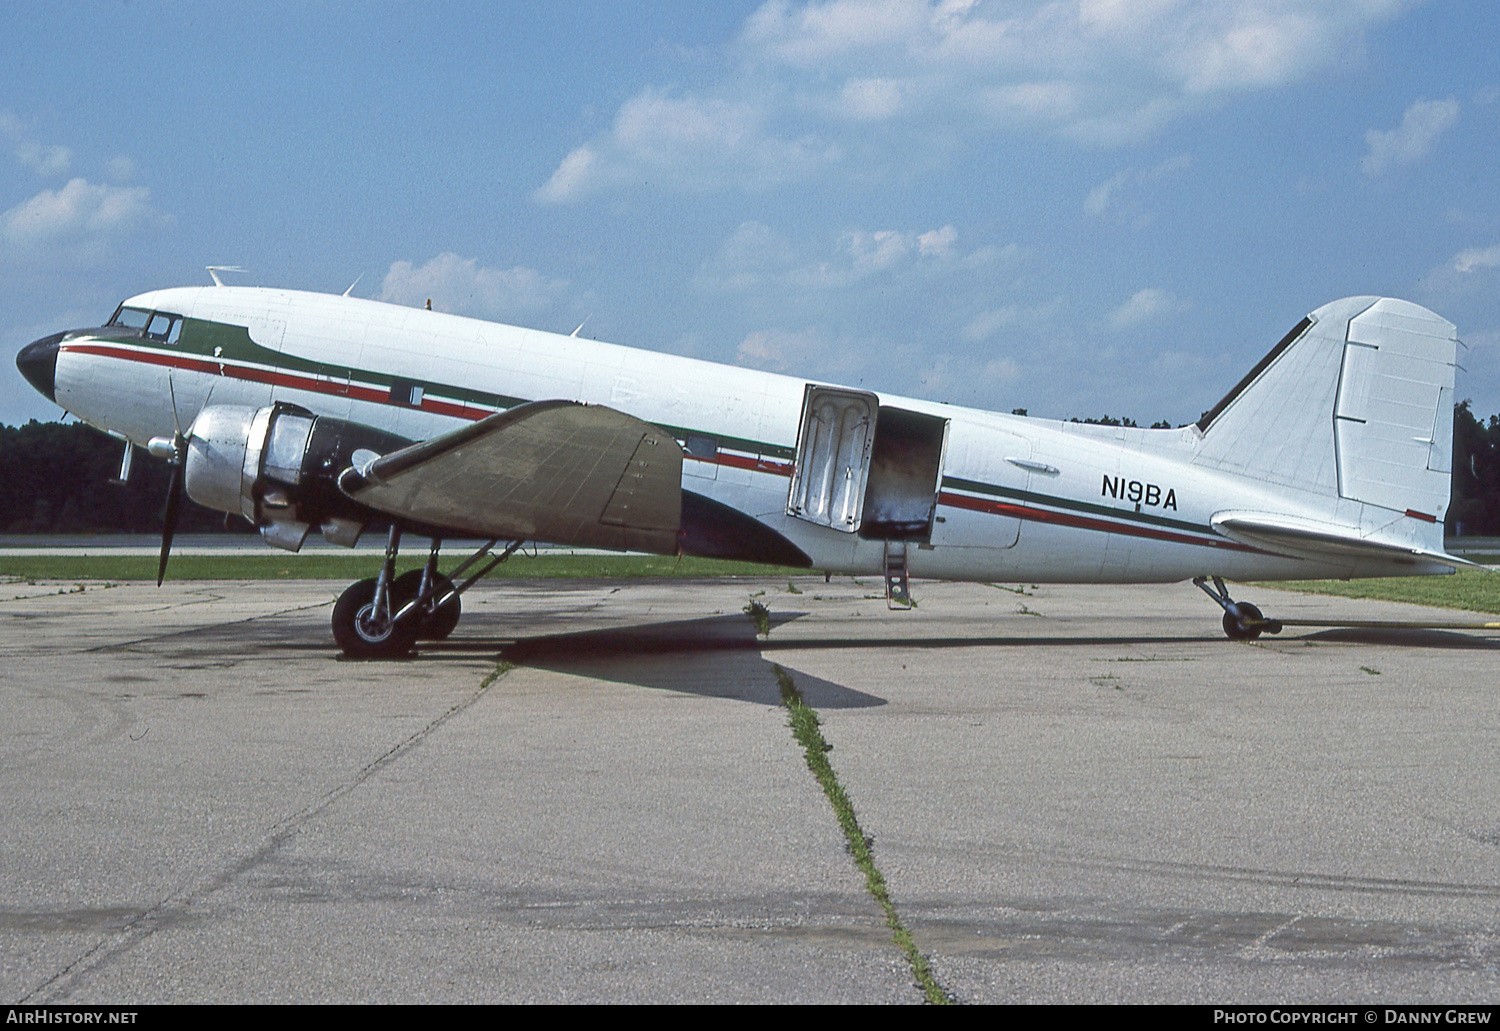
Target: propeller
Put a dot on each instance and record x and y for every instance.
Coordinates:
(176, 449)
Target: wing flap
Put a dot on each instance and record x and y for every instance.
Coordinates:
(554, 471)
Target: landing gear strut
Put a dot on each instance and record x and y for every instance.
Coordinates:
(438, 614)
(1242, 621)
(383, 617)
(364, 617)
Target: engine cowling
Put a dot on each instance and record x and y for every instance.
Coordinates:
(278, 466)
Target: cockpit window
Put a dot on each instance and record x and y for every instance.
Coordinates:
(130, 318)
(164, 327)
(153, 325)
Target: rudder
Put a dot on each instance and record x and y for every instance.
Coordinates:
(1355, 403)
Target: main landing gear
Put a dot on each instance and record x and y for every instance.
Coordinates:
(384, 617)
(1242, 621)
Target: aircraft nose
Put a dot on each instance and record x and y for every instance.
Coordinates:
(38, 363)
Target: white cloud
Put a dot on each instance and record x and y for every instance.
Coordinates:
(877, 251)
(938, 243)
(811, 83)
(778, 350)
(1412, 140)
(1029, 323)
(1102, 70)
(462, 286)
(987, 323)
(869, 100)
(80, 211)
(1467, 261)
(571, 180)
(1143, 306)
(753, 254)
(1003, 370)
(689, 142)
(1467, 273)
(1108, 194)
(755, 257)
(46, 160)
(1099, 197)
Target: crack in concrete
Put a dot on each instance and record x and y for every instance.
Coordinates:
(144, 923)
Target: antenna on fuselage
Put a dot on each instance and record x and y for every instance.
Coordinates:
(585, 322)
(354, 284)
(214, 270)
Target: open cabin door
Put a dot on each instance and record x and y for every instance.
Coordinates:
(833, 457)
(866, 469)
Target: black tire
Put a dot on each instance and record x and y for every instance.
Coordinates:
(358, 638)
(1235, 622)
(435, 626)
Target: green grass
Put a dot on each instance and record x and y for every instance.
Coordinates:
(323, 566)
(805, 727)
(1473, 590)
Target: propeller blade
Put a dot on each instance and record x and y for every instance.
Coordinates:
(174, 485)
(169, 521)
(176, 426)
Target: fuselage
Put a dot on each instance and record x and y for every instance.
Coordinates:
(1013, 498)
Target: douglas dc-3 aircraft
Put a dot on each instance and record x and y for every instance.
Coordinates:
(304, 412)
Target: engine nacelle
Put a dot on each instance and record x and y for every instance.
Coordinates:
(278, 467)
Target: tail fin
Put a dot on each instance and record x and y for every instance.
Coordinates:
(1355, 403)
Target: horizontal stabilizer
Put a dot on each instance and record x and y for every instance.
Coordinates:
(1324, 542)
(555, 471)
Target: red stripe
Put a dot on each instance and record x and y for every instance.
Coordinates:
(1421, 515)
(335, 388)
(376, 396)
(759, 465)
(1042, 515)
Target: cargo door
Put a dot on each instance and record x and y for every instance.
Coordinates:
(832, 468)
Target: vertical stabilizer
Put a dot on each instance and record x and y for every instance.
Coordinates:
(1355, 403)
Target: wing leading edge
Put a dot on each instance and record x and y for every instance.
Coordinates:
(555, 471)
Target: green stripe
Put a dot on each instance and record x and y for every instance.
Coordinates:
(200, 337)
(754, 447)
(1079, 506)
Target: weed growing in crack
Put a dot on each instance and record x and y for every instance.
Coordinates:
(805, 727)
(760, 616)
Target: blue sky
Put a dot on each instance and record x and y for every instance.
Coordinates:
(1077, 208)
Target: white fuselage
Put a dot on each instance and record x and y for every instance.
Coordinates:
(1017, 499)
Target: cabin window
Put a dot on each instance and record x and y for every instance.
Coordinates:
(406, 392)
(706, 448)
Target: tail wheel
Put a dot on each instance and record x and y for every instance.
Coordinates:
(1237, 623)
(436, 624)
(363, 635)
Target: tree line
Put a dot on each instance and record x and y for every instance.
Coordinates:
(55, 478)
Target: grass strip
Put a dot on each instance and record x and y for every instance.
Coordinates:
(805, 727)
(1474, 590)
(353, 566)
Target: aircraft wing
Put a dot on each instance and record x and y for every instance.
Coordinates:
(555, 471)
(1307, 538)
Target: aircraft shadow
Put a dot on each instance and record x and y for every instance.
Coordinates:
(733, 632)
(716, 657)
(1405, 638)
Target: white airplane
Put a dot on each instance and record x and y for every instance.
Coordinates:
(1331, 458)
